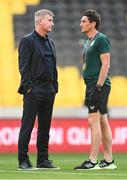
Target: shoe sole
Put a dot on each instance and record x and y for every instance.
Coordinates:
(90, 169)
(48, 168)
(109, 167)
(29, 169)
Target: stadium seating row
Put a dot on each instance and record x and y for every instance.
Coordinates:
(71, 85)
(71, 88)
(66, 30)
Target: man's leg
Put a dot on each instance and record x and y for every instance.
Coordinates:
(106, 138)
(28, 119)
(108, 161)
(94, 123)
(44, 122)
(96, 137)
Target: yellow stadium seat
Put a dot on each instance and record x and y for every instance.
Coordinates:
(18, 8)
(10, 77)
(71, 86)
(33, 2)
(70, 94)
(118, 92)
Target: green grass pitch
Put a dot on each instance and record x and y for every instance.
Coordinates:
(8, 168)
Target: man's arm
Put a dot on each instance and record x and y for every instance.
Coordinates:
(105, 60)
(24, 65)
(55, 81)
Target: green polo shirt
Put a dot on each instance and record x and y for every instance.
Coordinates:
(91, 58)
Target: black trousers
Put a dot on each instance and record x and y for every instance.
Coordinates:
(33, 107)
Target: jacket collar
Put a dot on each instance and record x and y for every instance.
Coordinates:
(35, 34)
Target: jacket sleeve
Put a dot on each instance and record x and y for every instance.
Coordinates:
(24, 58)
(55, 82)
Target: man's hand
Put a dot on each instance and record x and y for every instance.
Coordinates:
(95, 95)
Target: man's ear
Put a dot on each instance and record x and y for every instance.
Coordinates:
(40, 21)
(93, 24)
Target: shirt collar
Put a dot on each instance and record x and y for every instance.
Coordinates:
(42, 37)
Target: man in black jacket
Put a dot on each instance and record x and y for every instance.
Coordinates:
(37, 66)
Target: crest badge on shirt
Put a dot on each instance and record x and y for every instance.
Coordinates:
(92, 43)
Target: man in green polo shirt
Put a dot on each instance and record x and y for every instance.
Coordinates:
(96, 63)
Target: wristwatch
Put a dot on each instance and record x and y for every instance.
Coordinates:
(99, 87)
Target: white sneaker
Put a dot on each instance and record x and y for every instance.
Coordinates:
(107, 165)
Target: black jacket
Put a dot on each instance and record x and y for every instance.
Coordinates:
(32, 64)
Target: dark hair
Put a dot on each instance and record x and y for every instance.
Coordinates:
(93, 16)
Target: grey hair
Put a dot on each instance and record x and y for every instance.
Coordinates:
(41, 13)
